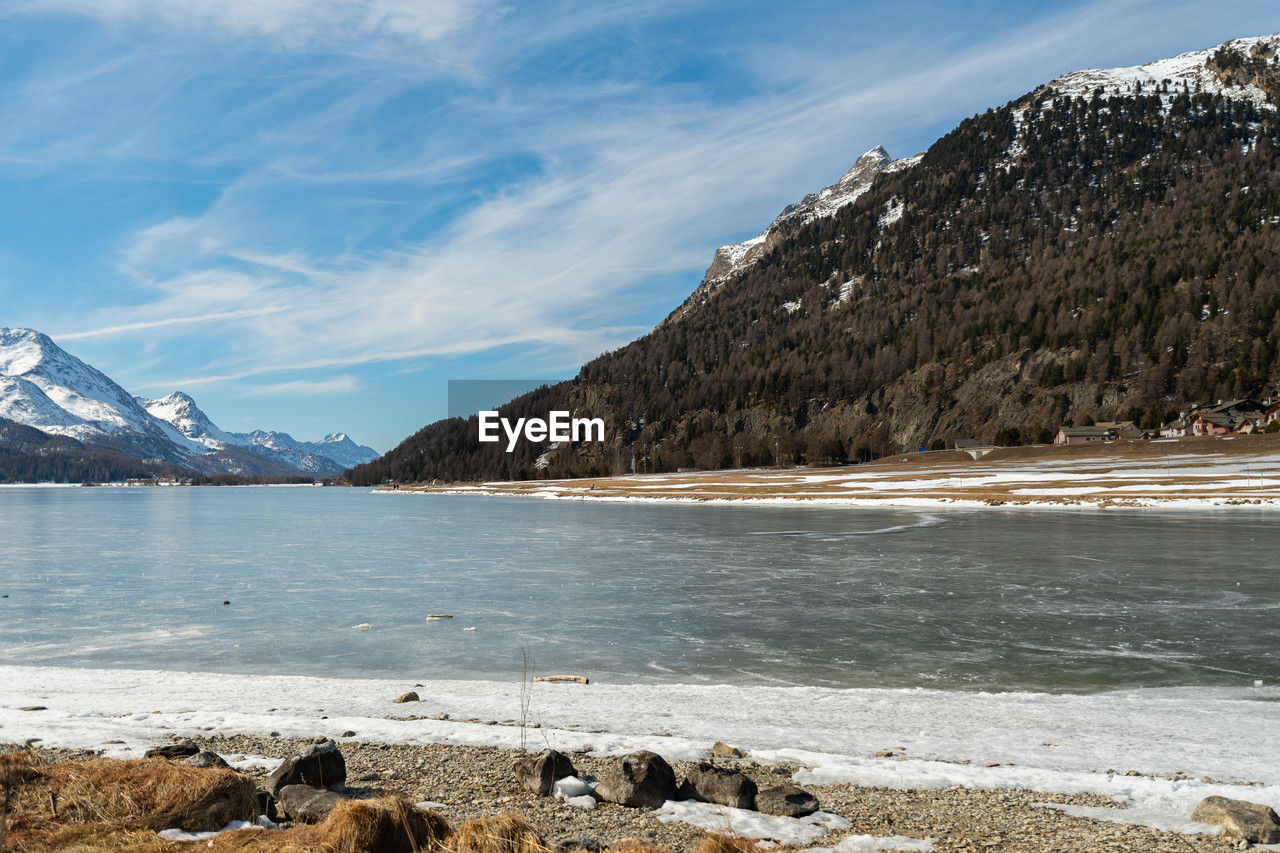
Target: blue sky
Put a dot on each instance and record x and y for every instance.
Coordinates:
(311, 214)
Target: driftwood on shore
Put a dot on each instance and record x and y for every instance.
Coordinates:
(575, 679)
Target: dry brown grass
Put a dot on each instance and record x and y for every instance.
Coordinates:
(727, 844)
(110, 805)
(504, 833)
(634, 845)
(61, 804)
(386, 825)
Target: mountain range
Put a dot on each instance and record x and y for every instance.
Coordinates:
(1106, 247)
(63, 419)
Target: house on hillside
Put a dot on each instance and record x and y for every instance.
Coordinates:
(1122, 429)
(1177, 429)
(1212, 423)
(1084, 434)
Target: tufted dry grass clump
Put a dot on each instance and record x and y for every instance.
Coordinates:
(720, 843)
(387, 824)
(60, 803)
(504, 833)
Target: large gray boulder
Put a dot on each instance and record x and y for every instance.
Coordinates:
(321, 766)
(304, 804)
(641, 780)
(1252, 822)
(539, 772)
(181, 749)
(786, 800)
(204, 758)
(711, 783)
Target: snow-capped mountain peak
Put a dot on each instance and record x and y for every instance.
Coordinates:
(1191, 69)
(182, 412)
(48, 388)
(45, 387)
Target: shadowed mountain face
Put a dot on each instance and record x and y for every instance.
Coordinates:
(1107, 246)
(74, 410)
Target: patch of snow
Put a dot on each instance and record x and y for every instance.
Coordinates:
(571, 786)
(750, 824)
(893, 211)
(876, 843)
(183, 835)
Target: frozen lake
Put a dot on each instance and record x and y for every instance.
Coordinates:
(339, 582)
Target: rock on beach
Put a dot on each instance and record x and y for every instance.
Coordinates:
(321, 766)
(786, 800)
(538, 773)
(724, 786)
(1251, 822)
(639, 780)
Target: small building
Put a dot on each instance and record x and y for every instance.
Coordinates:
(1084, 434)
(1122, 429)
(1177, 429)
(1212, 423)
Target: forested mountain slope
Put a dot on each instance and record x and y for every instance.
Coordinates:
(1106, 246)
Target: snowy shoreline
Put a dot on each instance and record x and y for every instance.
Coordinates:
(1191, 475)
(1061, 743)
(1078, 503)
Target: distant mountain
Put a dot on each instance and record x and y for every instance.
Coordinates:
(336, 447)
(333, 454)
(102, 427)
(183, 414)
(43, 386)
(1106, 246)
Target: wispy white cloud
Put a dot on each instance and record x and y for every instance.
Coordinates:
(342, 384)
(289, 24)
(164, 323)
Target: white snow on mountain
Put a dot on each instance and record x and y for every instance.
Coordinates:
(45, 387)
(339, 447)
(333, 454)
(729, 261)
(182, 412)
(1185, 68)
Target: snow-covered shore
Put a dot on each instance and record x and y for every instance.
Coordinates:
(1191, 475)
(1064, 743)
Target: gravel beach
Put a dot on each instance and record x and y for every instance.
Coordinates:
(474, 781)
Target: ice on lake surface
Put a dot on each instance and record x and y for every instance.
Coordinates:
(338, 582)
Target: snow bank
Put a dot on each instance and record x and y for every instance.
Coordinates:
(731, 821)
(1063, 743)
